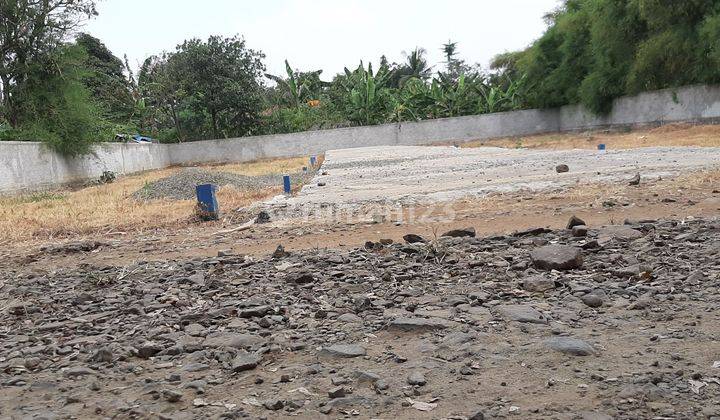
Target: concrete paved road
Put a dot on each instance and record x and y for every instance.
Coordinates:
(413, 174)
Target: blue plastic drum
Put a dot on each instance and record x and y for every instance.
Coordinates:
(207, 202)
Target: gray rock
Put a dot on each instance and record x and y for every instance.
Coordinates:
(350, 318)
(649, 392)
(148, 349)
(478, 415)
(198, 385)
(575, 221)
(78, 371)
(569, 345)
(538, 284)
(557, 257)
(643, 302)
(232, 340)
(522, 313)
(382, 385)
(102, 355)
(336, 392)
(343, 351)
(362, 376)
(562, 168)
(172, 396)
(635, 180)
(620, 233)
(579, 231)
(245, 361)
(592, 300)
(416, 378)
(417, 324)
(274, 404)
(254, 311)
(280, 253)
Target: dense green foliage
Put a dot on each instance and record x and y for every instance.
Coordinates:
(73, 93)
(597, 50)
(54, 104)
(204, 89)
(42, 94)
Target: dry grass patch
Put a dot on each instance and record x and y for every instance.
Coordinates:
(262, 167)
(111, 207)
(667, 135)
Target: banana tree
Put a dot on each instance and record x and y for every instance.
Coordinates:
(299, 87)
(367, 99)
(501, 98)
(453, 98)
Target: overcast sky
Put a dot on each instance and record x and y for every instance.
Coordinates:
(324, 34)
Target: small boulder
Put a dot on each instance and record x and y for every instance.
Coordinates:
(569, 345)
(350, 318)
(245, 361)
(562, 168)
(148, 349)
(172, 396)
(538, 284)
(336, 392)
(416, 378)
(557, 257)
(575, 221)
(635, 180)
(280, 252)
(343, 351)
(579, 231)
(592, 300)
(274, 404)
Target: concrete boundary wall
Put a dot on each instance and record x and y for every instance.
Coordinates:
(29, 166)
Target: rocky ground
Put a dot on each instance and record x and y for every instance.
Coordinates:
(585, 322)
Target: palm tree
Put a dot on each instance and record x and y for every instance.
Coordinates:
(450, 50)
(416, 66)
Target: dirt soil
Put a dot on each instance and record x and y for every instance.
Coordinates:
(692, 195)
(624, 326)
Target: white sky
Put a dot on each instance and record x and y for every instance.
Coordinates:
(324, 34)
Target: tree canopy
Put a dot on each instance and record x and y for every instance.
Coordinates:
(69, 90)
(596, 50)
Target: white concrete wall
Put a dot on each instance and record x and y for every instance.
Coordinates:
(31, 166)
(28, 166)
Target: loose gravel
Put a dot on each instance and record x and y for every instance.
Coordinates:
(452, 328)
(181, 186)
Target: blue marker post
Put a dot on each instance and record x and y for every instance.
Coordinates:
(601, 147)
(313, 161)
(207, 204)
(286, 184)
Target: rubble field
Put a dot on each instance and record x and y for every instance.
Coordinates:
(588, 322)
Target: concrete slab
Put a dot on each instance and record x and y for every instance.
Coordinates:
(417, 174)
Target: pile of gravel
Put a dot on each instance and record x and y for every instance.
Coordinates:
(181, 186)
